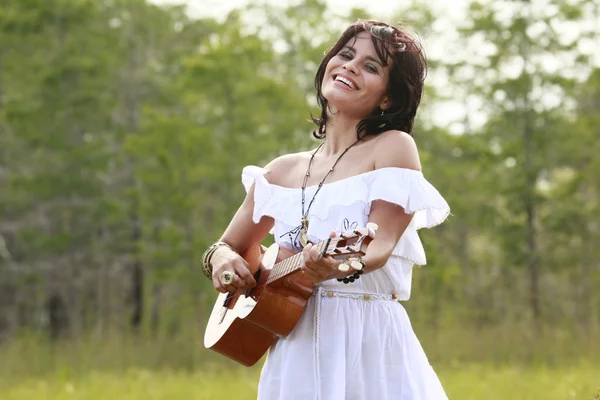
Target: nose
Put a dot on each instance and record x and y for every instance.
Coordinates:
(350, 66)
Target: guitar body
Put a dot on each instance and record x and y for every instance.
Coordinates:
(244, 325)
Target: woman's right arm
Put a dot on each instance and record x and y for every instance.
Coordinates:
(243, 234)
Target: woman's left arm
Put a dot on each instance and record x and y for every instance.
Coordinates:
(394, 149)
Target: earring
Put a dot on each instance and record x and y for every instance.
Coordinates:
(384, 123)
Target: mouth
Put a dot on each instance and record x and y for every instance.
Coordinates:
(346, 81)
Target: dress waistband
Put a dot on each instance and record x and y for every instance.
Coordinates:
(322, 292)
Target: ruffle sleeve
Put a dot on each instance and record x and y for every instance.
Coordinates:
(416, 195)
(409, 188)
(263, 199)
(404, 187)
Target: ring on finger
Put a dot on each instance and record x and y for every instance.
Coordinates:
(226, 277)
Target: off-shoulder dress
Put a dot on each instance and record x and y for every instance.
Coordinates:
(353, 341)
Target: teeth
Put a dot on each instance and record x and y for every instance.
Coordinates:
(346, 81)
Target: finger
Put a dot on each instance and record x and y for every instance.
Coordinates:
(318, 257)
(245, 277)
(220, 286)
(230, 287)
(310, 273)
(237, 283)
(318, 262)
(306, 257)
(315, 254)
(309, 266)
(311, 261)
(217, 284)
(318, 271)
(330, 265)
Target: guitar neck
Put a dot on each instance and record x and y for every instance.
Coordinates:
(292, 264)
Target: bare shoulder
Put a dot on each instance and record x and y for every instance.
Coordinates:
(396, 149)
(281, 167)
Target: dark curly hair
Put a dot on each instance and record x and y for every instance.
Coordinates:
(407, 75)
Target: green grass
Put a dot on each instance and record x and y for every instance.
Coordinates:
(468, 382)
(462, 382)
(136, 385)
(490, 364)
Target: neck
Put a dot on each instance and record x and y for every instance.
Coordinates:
(340, 134)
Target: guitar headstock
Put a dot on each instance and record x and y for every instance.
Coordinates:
(352, 243)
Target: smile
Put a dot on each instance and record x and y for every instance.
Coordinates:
(346, 81)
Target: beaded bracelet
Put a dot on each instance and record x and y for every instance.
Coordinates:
(207, 257)
(354, 276)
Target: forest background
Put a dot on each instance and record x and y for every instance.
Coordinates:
(124, 127)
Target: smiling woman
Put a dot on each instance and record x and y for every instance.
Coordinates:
(386, 55)
(349, 336)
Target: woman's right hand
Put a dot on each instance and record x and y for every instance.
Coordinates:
(225, 259)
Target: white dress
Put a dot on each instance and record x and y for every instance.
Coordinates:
(348, 346)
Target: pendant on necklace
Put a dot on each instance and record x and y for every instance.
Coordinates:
(304, 232)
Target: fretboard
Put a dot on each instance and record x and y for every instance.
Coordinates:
(291, 264)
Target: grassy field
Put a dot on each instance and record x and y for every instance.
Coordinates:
(486, 364)
(462, 382)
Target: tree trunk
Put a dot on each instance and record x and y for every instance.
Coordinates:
(584, 284)
(156, 306)
(131, 102)
(137, 280)
(530, 183)
(58, 319)
(8, 309)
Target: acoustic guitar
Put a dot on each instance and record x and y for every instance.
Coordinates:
(243, 325)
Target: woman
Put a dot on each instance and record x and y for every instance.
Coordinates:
(354, 340)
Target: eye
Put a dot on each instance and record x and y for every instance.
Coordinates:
(346, 55)
(371, 68)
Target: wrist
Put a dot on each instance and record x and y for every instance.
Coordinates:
(220, 255)
(208, 257)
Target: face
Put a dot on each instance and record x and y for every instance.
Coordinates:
(355, 80)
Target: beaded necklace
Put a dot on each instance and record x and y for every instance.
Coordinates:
(302, 229)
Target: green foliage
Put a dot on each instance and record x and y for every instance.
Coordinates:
(124, 127)
(519, 203)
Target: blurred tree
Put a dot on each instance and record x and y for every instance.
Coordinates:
(518, 74)
(124, 128)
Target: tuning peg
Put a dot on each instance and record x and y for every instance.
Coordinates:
(344, 267)
(346, 235)
(356, 265)
(372, 225)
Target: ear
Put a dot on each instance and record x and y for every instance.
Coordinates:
(385, 103)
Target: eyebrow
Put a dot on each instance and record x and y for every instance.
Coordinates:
(367, 57)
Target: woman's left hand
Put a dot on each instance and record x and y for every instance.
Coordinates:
(319, 268)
